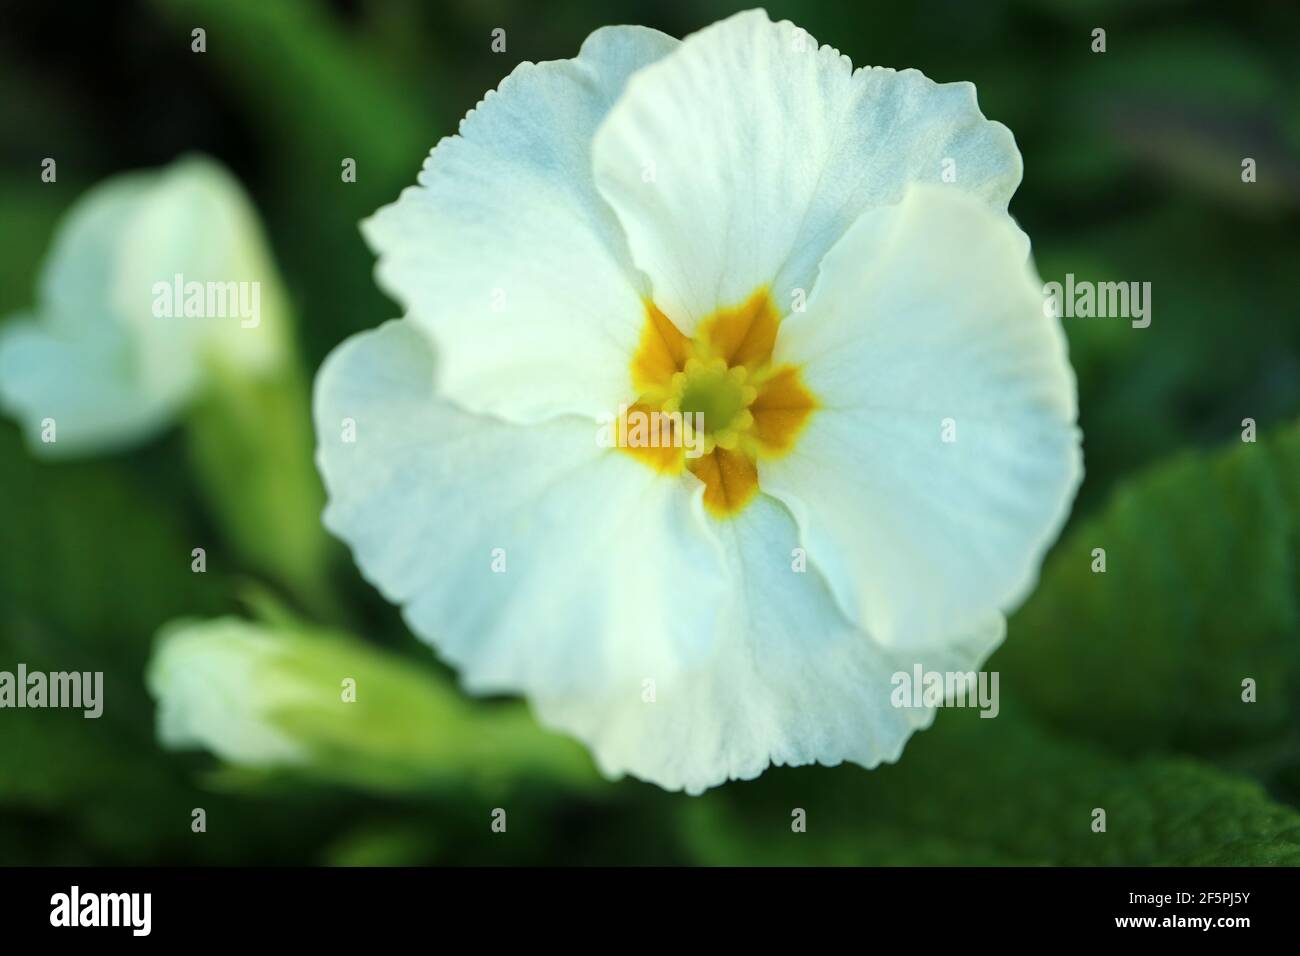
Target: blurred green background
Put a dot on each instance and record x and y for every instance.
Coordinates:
(1120, 691)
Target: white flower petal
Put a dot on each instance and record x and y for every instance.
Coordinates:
(197, 222)
(609, 574)
(78, 277)
(506, 253)
(85, 383)
(790, 681)
(98, 360)
(737, 161)
(77, 365)
(927, 311)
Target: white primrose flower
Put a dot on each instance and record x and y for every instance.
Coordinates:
(816, 261)
(151, 278)
(220, 684)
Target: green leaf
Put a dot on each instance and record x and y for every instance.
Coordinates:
(980, 791)
(1199, 594)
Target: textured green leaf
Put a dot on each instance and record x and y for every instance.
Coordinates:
(974, 790)
(1200, 593)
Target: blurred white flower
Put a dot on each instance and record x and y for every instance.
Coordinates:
(153, 278)
(283, 695)
(818, 260)
(221, 683)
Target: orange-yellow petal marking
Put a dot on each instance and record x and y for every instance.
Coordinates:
(663, 350)
(730, 480)
(724, 379)
(647, 443)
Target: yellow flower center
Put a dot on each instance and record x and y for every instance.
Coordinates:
(715, 395)
(724, 380)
